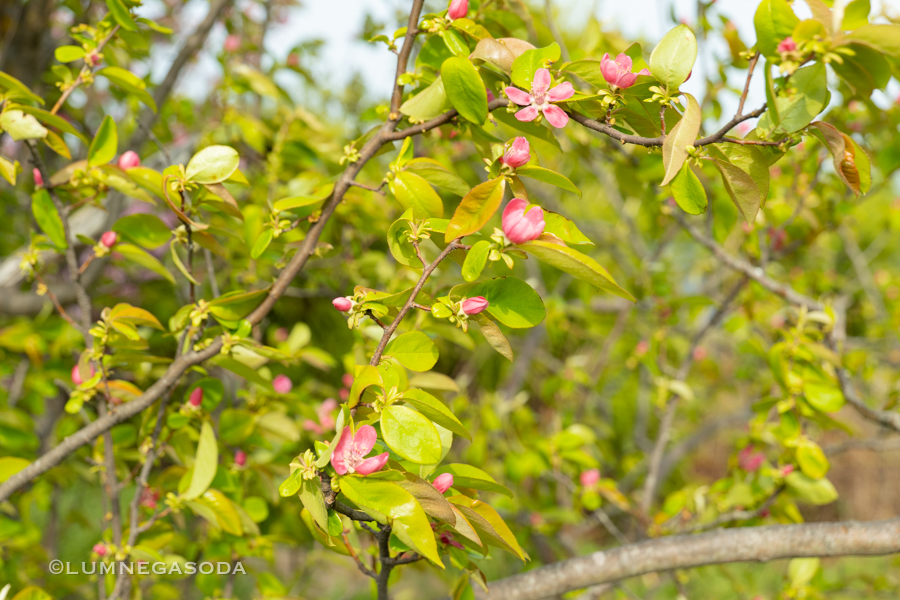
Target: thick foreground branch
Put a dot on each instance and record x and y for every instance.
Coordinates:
(848, 538)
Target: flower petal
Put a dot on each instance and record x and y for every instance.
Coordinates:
(518, 96)
(555, 116)
(626, 80)
(338, 459)
(529, 113)
(370, 465)
(563, 91)
(365, 439)
(623, 61)
(535, 216)
(644, 71)
(516, 205)
(541, 82)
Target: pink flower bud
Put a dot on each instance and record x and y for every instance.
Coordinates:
(520, 226)
(38, 178)
(100, 549)
(473, 306)
(590, 477)
(618, 72)
(787, 45)
(196, 398)
(76, 374)
(92, 58)
(642, 348)
(787, 470)
(490, 95)
(343, 303)
(240, 458)
(109, 238)
(347, 379)
(518, 154)
(458, 9)
(750, 459)
(282, 384)
(443, 482)
(232, 43)
(129, 160)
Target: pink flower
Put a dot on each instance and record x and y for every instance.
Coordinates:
(520, 226)
(129, 160)
(343, 303)
(443, 482)
(540, 98)
(196, 397)
(344, 393)
(349, 454)
(38, 178)
(76, 374)
(232, 43)
(347, 379)
(326, 421)
(240, 458)
(473, 306)
(458, 9)
(282, 384)
(518, 154)
(750, 460)
(99, 549)
(590, 477)
(109, 238)
(787, 470)
(787, 45)
(618, 72)
(149, 496)
(490, 95)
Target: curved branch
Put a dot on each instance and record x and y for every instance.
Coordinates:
(847, 538)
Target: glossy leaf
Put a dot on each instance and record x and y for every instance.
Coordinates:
(490, 527)
(121, 15)
(564, 229)
(577, 264)
(412, 191)
(365, 377)
(414, 350)
(476, 259)
(806, 97)
(105, 143)
(741, 188)
(427, 104)
(684, 134)
(143, 229)
(213, 164)
(144, 259)
(314, 501)
(205, 462)
(548, 176)
(812, 460)
(438, 175)
(411, 435)
(465, 89)
(48, 219)
(476, 209)
(812, 491)
(130, 83)
(494, 336)
(673, 58)
(525, 66)
(688, 191)
(435, 410)
(21, 126)
(236, 305)
(774, 21)
(511, 301)
(468, 476)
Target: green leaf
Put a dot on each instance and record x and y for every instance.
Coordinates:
(213, 164)
(414, 350)
(10, 465)
(673, 58)
(476, 209)
(205, 463)
(119, 180)
(802, 570)
(525, 66)
(812, 460)
(438, 175)
(409, 521)
(67, 54)
(48, 219)
(688, 191)
(823, 396)
(228, 519)
(121, 15)
(414, 192)
(32, 593)
(296, 202)
(431, 500)
(144, 229)
(235, 425)
(476, 259)
(16, 89)
(237, 304)
(674, 150)
(240, 369)
(527, 127)
(314, 501)
(865, 71)
(435, 410)
(262, 242)
(56, 121)
(427, 104)
(511, 301)
(468, 476)
(455, 42)
(548, 176)
(173, 252)
(812, 491)
(856, 14)
(575, 263)
(774, 21)
(398, 242)
(741, 188)
(489, 525)
(411, 435)
(21, 126)
(145, 259)
(465, 89)
(808, 94)
(9, 170)
(129, 82)
(365, 376)
(105, 143)
(494, 336)
(884, 38)
(291, 485)
(749, 159)
(564, 229)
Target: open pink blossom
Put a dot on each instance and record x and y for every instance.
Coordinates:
(240, 458)
(349, 454)
(282, 384)
(326, 421)
(109, 239)
(750, 459)
(129, 160)
(343, 303)
(38, 178)
(618, 72)
(473, 306)
(520, 226)
(443, 482)
(196, 397)
(787, 45)
(458, 9)
(518, 154)
(540, 98)
(590, 478)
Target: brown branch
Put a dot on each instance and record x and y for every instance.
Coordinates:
(743, 99)
(87, 69)
(847, 538)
